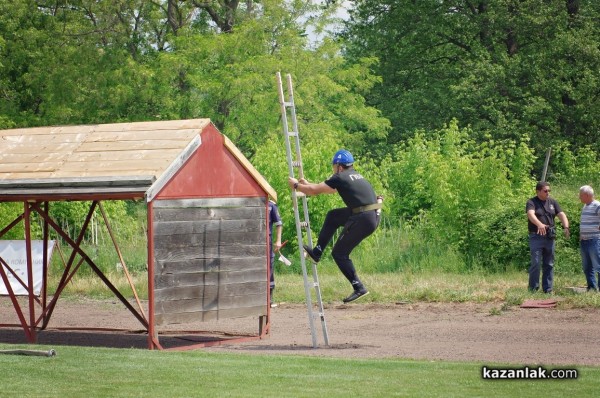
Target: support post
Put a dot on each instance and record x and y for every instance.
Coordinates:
(30, 292)
(546, 162)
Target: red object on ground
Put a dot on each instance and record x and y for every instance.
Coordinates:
(545, 303)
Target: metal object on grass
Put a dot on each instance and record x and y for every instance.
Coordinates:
(39, 353)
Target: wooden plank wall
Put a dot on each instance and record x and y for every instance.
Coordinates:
(210, 259)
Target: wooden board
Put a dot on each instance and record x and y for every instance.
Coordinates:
(210, 259)
(206, 304)
(209, 315)
(212, 226)
(220, 277)
(164, 267)
(208, 213)
(209, 293)
(78, 182)
(170, 242)
(229, 202)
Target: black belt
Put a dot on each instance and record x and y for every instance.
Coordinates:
(364, 208)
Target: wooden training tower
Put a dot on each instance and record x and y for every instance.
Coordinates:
(207, 206)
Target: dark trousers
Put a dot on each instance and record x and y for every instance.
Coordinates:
(590, 257)
(542, 255)
(356, 228)
(272, 273)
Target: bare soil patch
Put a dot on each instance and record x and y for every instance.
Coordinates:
(430, 331)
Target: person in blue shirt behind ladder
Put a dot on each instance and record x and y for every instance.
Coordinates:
(274, 220)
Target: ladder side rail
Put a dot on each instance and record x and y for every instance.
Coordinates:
(288, 147)
(307, 286)
(308, 230)
(295, 126)
(315, 277)
(298, 154)
(320, 303)
(307, 291)
(315, 274)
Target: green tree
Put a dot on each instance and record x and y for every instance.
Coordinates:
(506, 68)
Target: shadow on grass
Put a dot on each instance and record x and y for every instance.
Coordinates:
(113, 339)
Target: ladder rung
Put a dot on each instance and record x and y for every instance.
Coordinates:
(300, 194)
(304, 224)
(292, 134)
(315, 284)
(296, 163)
(288, 103)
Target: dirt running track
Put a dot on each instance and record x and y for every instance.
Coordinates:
(450, 332)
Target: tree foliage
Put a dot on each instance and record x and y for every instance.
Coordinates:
(505, 68)
(90, 62)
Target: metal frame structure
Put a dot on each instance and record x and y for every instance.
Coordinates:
(39, 320)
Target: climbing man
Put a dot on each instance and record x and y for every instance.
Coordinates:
(359, 218)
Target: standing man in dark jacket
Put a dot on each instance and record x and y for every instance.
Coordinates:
(541, 211)
(360, 218)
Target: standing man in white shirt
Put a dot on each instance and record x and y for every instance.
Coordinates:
(589, 236)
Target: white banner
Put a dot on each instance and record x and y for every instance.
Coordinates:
(14, 253)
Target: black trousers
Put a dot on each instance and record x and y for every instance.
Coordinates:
(356, 228)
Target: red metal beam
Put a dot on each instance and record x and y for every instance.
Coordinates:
(125, 268)
(152, 336)
(11, 225)
(64, 279)
(213, 343)
(45, 236)
(30, 292)
(15, 303)
(267, 321)
(133, 195)
(77, 250)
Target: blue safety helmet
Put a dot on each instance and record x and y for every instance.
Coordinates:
(343, 157)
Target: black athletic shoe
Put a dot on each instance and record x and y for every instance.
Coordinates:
(312, 254)
(356, 295)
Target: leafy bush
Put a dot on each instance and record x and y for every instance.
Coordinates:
(468, 196)
(8, 213)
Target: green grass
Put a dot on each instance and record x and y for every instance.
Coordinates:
(103, 372)
(509, 288)
(408, 272)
